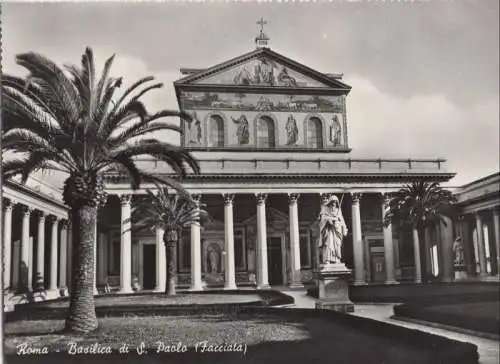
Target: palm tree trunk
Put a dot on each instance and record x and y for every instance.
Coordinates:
(170, 238)
(82, 316)
(416, 252)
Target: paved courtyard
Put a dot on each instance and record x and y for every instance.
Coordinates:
(488, 349)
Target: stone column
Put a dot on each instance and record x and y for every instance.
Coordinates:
(31, 263)
(447, 249)
(357, 241)
(126, 246)
(480, 245)
(196, 283)
(161, 262)
(293, 215)
(96, 243)
(25, 247)
(53, 292)
(496, 231)
(388, 245)
(63, 254)
(7, 242)
(416, 255)
(40, 254)
(230, 272)
(262, 274)
(69, 265)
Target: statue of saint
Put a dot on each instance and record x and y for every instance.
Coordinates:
(332, 230)
(458, 251)
(335, 131)
(195, 130)
(213, 259)
(242, 131)
(292, 131)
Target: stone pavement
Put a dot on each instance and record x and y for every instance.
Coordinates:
(488, 349)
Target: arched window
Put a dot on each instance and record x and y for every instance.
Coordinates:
(265, 132)
(216, 131)
(314, 133)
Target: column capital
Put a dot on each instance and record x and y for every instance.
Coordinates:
(41, 215)
(293, 198)
(7, 204)
(356, 196)
(125, 199)
(53, 219)
(496, 211)
(261, 198)
(64, 224)
(26, 210)
(228, 198)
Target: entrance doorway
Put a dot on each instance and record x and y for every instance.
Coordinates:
(378, 267)
(149, 266)
(274, 261)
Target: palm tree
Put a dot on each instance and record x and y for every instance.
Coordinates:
(69, 120)
(417, 206)
(170, 213)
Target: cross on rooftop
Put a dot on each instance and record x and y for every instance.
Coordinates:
(262, 22)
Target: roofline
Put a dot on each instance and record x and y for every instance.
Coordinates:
(34, 193)
(316, 74)
(496, 174)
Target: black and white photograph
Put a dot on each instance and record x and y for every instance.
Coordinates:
(250, 182)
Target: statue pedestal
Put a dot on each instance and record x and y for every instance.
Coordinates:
(334, 288)
(460, 272)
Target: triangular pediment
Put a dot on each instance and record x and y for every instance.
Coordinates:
(263, 68)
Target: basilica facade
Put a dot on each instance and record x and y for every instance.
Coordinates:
(271, 138)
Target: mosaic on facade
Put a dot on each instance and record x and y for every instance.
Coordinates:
(260, 102)
(261, 71)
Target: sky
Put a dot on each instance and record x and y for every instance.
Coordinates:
(424, 74)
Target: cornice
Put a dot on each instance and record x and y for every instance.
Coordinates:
(315, 178)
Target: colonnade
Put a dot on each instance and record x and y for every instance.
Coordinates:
(20, 261)
(262, 277)
(482, 253)
(60, 250)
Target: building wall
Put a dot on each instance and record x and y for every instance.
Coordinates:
(232, 107)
